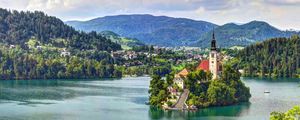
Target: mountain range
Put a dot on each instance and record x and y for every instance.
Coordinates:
(169, 31)
(156, 30)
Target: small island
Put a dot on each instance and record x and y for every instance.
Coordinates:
(212, 83)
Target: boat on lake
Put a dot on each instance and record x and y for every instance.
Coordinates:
(266, 91)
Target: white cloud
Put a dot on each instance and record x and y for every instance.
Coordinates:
(283, 2)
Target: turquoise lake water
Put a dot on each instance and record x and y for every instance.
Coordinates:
(124, 100)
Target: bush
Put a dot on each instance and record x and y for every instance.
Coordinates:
(292, 114)
(169, 103)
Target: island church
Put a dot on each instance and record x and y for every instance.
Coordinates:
(213, 65)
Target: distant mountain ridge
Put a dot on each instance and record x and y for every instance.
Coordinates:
(168, 31)
(156, 30)
(244, 34)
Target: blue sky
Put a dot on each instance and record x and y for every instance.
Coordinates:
(283, 14)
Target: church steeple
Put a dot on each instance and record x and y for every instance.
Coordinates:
(213, 42)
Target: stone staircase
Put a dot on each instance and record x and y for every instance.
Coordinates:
(180, 105)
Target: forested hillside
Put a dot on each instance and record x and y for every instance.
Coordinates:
(126, 43)
(278, 57)
(36, 46)
(16, 28)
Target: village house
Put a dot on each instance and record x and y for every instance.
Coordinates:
(12, 46)
(179, 78)
(39, 48)
(64, 53)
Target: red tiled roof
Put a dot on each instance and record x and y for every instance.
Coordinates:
(204, 65)
(184, 72)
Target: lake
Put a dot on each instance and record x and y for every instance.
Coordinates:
(124, 99)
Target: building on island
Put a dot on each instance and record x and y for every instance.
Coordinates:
(179, 77)
(214, 64)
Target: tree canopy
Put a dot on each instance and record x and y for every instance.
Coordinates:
(278, 57)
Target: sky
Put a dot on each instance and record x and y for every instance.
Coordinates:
(283, 14)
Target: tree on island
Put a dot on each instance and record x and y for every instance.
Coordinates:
(158, 91)
(227, 90)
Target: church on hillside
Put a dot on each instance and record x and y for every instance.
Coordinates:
(214, 63)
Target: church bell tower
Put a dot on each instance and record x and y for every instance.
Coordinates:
(213, 58)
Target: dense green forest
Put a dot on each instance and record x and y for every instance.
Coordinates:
(36, 46)
(227, 90)
(21, 64)
(18, 27)
(278, 57)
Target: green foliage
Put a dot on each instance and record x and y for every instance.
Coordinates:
(17, 63)
(158, 91)
(278, 57)
(169, 78)
(194, 77)
(169, 103)
(126, 43)
(20, 57)
(18, 27)
(292, 114)
(220, 94)
(161, 70)
(229, 89)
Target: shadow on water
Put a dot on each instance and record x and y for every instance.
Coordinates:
(227, 111)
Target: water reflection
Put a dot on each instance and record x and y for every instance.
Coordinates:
(230, 111)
